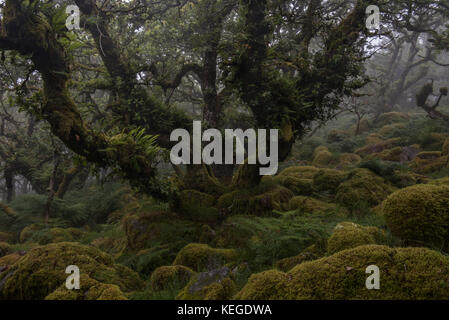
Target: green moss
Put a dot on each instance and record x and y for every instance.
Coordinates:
(349, 235)
(253, 203)
(378, 147)
(440, 182)
(390, 118)
(405, 273)
(5, 237)
(362, 185)
(328, 180)
(111, 245)
(267, 285)
(313, 252)
(310, 205)
(389, 129)
(298, 186)
(5, 249)
(28, 232)
(430, 163)
(322, 158)
(213, 285)
(389, 154)
(90, 289)
(445, 150)
(200, 257)
(302, 172)
(336, 136)
(170, 277)
(10, 259)
(419, 215)
(197, 206)
(349, 159)
(42, 270)
(193, 198)
(152, 228)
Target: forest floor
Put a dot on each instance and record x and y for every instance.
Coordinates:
(342, 203)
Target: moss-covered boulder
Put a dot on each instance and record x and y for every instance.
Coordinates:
(328, 180)
(170, 277)
(405, 273)
(267, 285)
(299, 186)
(52, 235)
(378, 147)
(212, 285)
(42, 270)
(313, 252)
(362, 185)
(390, 118)
(429, 162)
(302, 172)
(419, 215)
(389, 155)
(322, 157)
(348, 160)
(200, 257)
(90, 289)
(9, 259)
(349, 235)
(310, 205)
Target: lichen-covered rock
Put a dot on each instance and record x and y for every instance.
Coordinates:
(362, 185)
(328, 180)
(310, 205)
(200, 257)
(313, 252)
(42, 270)
(170, 277)
(212, 285)
(90, 289)
(405, 273)
(419, 215)
(349, 235)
